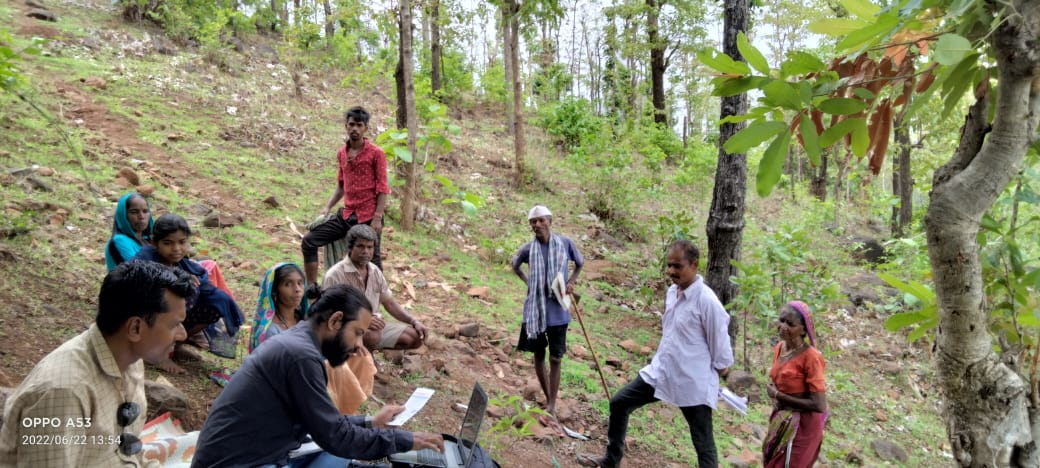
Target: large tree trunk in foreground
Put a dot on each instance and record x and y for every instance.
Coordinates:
(725, 226)
(411, 183)
(986, 405)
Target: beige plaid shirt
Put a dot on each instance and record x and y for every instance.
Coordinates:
(64, 412)
(345, 273)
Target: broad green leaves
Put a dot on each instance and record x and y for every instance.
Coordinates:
(950, 49)
(922, 320)
(752, 55)
(723, 63)
(753, 135)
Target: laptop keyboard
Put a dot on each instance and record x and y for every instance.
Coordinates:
(430, 457)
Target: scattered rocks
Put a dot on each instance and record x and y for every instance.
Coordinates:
(38, 184)
(95, 82)
(5, 381)
(579, 351)
(646, 350)
(163, 398)
(45, 171)
(867, 250)
(216, 220)
(629, 345)
(886, 450)
(396, 357)
(146, 190)
(740, 381)
(163, 45)
(854, 458)
(42, 14)
(481, 292)
(412, 365)
(35, 4)
(531, 390)
(129, 175)
(176, 136)
(470, 330)
(272, 201)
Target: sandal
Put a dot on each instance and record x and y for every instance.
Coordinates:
(586, 459)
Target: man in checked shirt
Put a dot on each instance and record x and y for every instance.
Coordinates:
(84, 403)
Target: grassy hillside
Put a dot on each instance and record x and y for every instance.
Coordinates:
(222, 132)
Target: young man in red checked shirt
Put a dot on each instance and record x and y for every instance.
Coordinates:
(361, 183)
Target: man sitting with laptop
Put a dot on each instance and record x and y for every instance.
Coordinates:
(279, 396)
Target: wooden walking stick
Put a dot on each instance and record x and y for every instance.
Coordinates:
(574, 308)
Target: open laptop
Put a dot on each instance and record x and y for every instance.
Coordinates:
(455, 455)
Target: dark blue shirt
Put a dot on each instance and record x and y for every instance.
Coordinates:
(274, 400)
(555, 314)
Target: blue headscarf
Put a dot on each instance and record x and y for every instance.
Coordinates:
(123, 244)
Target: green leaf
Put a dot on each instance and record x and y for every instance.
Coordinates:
(783, 94)
(950, 49)
(429, 166)
(903, 320)
(801, 63)
(884, 25)
(957, 82)
(753, 136)
(839, 130)
(860, 138)
(445, 182)
(861, 8)
(726, 86)
(772, 164)
(722, 63)
(913, 288)
(468, 207)
(403, 154)
(751, 54)
(752, 114)
(842, 106)
(990, 224)
(836, 26)
(923, 328)
(810, 140)
(863, 93)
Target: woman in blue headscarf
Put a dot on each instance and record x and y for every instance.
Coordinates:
(130, 230)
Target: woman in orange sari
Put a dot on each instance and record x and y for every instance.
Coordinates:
(798, 392)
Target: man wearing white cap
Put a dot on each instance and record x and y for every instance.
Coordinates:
(545, 319)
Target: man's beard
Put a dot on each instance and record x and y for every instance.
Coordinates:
(334, 351)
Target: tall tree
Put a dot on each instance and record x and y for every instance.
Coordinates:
(658, 62)
(411, 183)
(513, 26)
(725, 227)
(435, 46)
(902, 180)
(330, 23)
(992, 414)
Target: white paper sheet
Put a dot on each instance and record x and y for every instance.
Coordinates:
(415, 403)
(735, 401)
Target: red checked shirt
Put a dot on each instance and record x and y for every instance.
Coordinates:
(362, 180)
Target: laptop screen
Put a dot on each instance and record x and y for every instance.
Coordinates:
(470, 430)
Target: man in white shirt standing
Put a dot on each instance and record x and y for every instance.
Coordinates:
(694, 352)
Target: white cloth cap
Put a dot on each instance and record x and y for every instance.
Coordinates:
(537, 212)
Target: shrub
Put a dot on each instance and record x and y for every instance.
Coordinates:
(571, 122)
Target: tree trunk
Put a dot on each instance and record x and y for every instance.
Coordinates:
(902, 182)
(330, 23)
(657, 61)
(507, 66)
(986, 404)
(411, 184)
(435, 48)
(399, 83)
(818, 185)
(518, 101)
(725, 226)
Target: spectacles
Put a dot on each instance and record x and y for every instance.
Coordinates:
(128, 412)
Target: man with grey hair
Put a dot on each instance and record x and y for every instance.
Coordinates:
(358, 270)
(545, 319)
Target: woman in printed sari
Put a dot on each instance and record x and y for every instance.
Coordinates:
(131, 229)
(280, 306)
(798, 393)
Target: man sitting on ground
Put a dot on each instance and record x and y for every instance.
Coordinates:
(279, 396)
(84, 403)
(358, 270)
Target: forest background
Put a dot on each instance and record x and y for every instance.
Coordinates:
(228, 112)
